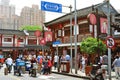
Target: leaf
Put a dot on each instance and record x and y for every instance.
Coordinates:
(91, 45)
(31, 28)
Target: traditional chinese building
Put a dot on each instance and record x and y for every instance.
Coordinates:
(95, 25)
(15, 42)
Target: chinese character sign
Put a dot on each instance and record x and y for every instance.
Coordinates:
(103, 25)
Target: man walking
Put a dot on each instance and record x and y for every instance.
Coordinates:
(116, 64)
(9, 62)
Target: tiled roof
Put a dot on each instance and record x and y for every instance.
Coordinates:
(16, 32)
(80, 13)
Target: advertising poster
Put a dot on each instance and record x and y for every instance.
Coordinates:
(103, 25)
(48, 36)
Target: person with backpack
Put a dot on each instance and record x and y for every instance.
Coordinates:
(45, 66)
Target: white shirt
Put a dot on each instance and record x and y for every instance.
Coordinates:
(56, 58)
(9, 61)
(83, 60)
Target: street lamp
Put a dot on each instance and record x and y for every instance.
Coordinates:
(75, 38)
(71, 36)
(109, 50)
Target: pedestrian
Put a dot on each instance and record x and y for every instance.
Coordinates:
(116, 64)
(67, 57)
(45, 68)
(39, 60)
(9, 63)
(104, 65)
(55, 61)
(49, 65)
(83, 63)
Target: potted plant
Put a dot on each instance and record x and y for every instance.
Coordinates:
(91, 46)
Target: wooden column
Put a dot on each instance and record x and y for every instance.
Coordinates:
(14, 37)
(1, 39)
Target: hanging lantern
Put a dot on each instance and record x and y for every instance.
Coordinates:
(37, 33)
(42, 41)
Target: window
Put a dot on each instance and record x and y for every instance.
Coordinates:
(20, 40)
(67, 31)
(7, 39)
(32, 41)
(59, 32)
(83, 29)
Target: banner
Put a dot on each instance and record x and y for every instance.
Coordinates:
(103, 25)
(48, 36)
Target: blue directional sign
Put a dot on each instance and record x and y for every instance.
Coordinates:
(53, 7)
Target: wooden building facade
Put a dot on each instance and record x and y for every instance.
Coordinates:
(61, 27)
(15, 42)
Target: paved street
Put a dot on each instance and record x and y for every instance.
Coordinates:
(39, 77)
(52, 76)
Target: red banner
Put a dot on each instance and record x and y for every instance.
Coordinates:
(48, 36)
(103, 25)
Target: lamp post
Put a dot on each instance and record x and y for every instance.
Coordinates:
(71, 36)
(109, 50)
(75, 38)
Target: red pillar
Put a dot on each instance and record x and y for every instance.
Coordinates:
(14, 36)
(1, 40)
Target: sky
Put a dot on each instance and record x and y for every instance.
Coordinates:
(52, 15)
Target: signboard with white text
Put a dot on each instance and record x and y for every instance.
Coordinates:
(53, 7)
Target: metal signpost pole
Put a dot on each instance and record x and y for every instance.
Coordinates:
(109, 50)
(71, 36)
(75, 38)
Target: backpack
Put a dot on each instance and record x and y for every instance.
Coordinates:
(46, 64)
(49, 63)
(40, 61)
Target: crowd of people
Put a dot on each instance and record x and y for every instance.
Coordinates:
(45, 62)
(102, 62)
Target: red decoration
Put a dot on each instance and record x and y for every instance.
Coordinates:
(48, 36)
(42, 41)
(18, 42)
(92, 18)
(60, 25)
(37, 33)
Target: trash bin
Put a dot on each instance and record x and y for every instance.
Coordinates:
(65, 66)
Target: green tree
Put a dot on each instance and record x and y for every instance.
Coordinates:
(92, 45)
(31, 28)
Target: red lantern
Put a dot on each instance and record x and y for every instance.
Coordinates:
(92, 18)
(42, 41)
(37, 33)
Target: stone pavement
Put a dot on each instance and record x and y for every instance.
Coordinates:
(25, 76)
(81, 74)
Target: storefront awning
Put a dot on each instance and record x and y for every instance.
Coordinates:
(64, 45)
(36, 47)
(10, 48)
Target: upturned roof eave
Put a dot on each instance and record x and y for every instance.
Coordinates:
(80, 13)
